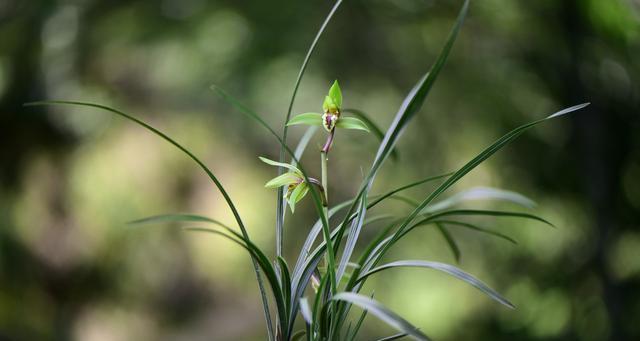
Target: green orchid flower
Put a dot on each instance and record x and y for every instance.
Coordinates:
(293, 180)
(331, 118)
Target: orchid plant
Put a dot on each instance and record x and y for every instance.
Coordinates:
(327, 278)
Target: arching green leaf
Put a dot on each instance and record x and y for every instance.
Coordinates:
(449, 269)
(381, 312)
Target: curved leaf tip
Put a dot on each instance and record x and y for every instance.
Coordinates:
(568, 110)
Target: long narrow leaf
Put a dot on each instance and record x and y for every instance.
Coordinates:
(410, 106)
(449, 269)
(416, 98)
(315, 230)
(481, 193)
(393, 337)
(382, 313)
(489, 213)
(380, 198)
(450, 241)
(352, 238)
(298, 335)
(285, 282)
(227, 198)
(351, 336)
(174, 218)
(485, 154)
(477, 228)
(267, 268)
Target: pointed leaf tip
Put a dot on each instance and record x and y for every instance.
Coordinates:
(381, 312)
(570, 109)
(446, 268)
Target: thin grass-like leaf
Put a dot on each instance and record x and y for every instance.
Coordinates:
(231, 237)
(446, 268)
(227, 198)
(267, 268)
(416, 98)
(393, 337)
(381, 312)
(476, 228)
(285, 283)
(315, 230)
(352, 336)
(317, 304)
(380, 198)
(304, 265)
(453, 246)
(488, 213)
(352, 238)
(175, 218)
(481, 193)
(401, 198)
(409, 108)
(485, 154)
(298, 335)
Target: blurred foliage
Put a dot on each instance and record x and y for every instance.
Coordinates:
(70, 269)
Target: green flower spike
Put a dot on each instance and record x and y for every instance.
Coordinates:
(297, 188)
(331, 117)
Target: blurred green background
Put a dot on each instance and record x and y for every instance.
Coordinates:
(70, 178)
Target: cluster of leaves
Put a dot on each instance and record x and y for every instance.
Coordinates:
(334, 287)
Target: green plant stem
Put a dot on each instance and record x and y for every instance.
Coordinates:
(324, 158)
(325, 209)
(323, 162)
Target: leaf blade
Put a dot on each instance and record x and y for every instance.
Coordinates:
(450, 241)
(381, 312)
(227, 198)
(446, 268)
